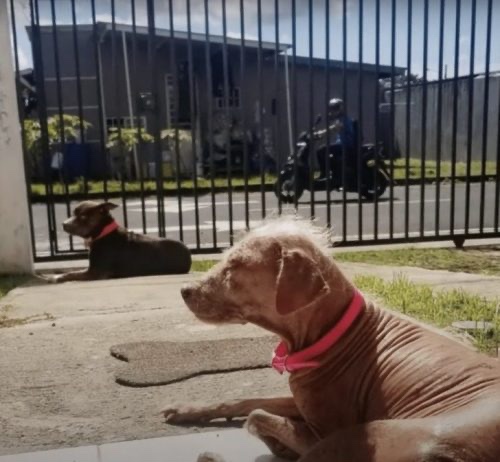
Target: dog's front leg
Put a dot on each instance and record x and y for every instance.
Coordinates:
(285, 437)
(284, 407)
(83, 275)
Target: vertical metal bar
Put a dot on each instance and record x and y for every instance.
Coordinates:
(439, 121)
(294, 104)
(312, 145)
(485, 115)
(131, 123)
(62, 137)
(497, 175)
(175, 80)
(23, 132)
(470, 110)
(392, 121)
(360, 121)
(79, 89)
(135, 80)
(424, 122)
(193, 118)
(408, 120)
(118, 106)
(208, 66)
(276, 93)
(344, 97)
(156, 129)
(100, 96)
(327, 118)
(377, 114)
(42, 114)
(227, 114)
(260, 107)
(455, 117)
(243, 113)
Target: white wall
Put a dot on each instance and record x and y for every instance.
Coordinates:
(15, 245)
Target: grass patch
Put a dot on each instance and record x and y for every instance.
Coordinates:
(113, 186)
(202, 265)
(440, 308)
(481, 260)
(7, 283)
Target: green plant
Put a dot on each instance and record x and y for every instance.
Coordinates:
(121, 143)
(67, 125)
(127, 138)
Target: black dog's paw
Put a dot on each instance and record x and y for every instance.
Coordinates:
(47, 278)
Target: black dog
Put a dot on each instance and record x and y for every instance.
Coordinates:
(115, 252)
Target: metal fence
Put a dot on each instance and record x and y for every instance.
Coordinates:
(185, 113)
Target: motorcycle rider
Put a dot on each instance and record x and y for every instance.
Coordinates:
(341, 134)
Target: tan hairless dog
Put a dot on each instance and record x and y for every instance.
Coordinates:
(390, 390)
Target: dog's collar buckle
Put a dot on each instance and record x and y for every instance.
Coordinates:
(282, 361)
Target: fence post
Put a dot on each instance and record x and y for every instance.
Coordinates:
(15, 240)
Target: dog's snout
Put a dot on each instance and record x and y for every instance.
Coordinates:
(67, 224)
(187, 292)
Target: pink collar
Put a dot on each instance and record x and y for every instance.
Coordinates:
(282, 361)
(108, 229)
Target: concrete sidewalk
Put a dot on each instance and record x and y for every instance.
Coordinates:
(57, 385)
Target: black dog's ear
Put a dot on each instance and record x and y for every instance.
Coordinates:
(107, 206)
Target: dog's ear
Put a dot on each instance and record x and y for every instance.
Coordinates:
(299, 283)
(107, 206)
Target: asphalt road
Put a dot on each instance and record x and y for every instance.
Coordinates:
(200, 229)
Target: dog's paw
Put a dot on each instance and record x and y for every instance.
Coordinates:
(55, 279)
(209, 457)
(255, 418)
(49, 279)
(185, 414)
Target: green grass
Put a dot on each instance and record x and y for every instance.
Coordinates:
(440, 308)
(113, 186)
(202, 265)
(8, 282)
(481, 260)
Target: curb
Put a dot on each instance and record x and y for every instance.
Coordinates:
(187, 192)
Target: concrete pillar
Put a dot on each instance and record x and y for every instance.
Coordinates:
(15, 240)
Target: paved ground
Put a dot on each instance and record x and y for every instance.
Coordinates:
(259, 205)
(56, 380)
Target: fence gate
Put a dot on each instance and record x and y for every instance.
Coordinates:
(184, 113)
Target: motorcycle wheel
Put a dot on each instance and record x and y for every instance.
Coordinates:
(372, 189)
(288, 188)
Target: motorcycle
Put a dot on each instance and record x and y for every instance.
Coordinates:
(295, 175)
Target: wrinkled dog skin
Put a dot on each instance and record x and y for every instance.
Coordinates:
(120, 253)
(390, 390)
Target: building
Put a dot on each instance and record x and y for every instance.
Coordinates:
(115, 75)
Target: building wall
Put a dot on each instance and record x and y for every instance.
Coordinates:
(269, 93)
(447, 116)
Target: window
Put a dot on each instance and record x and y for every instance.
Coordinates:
(126, 122)
(170, 100)
(233, 100)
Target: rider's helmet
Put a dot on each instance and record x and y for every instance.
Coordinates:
(335, 107)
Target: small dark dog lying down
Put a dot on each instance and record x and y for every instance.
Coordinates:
(367, 384)
(115, 252)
